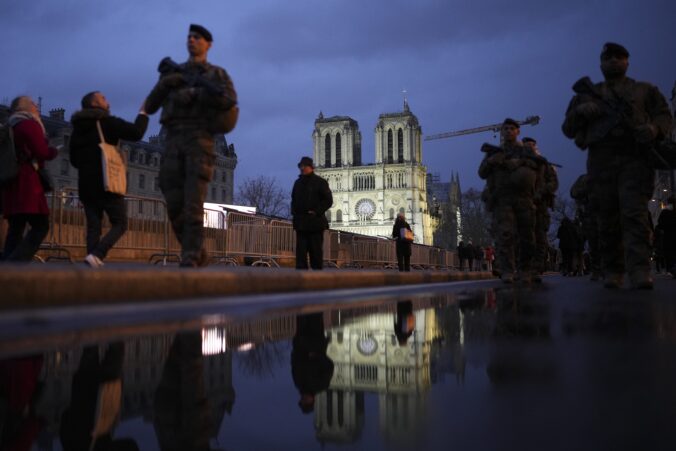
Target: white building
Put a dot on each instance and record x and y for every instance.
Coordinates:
(367, 197)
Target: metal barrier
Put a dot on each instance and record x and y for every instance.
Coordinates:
(229, 238)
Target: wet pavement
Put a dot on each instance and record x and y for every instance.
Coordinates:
(563, 366)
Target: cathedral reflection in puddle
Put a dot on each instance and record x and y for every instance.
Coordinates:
(474, 370)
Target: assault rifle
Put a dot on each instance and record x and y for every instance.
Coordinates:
(491, 149)
(168, 66)
(617, 113)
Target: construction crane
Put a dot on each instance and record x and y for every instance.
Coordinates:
(495, 128)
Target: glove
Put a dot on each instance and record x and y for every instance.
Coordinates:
(588, 110)
(645, 134)
(172, 80)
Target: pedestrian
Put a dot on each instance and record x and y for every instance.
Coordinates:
(310, 200)
(568, 244)
(23, 199)
(469, 253)
(91, 125)
(588, 214)
(545, 194)
(198, 101)
(478, 258)
(462, 255)
(666, 225)
(489, 256)
(510, 172)
(403, 242)
(619, 120)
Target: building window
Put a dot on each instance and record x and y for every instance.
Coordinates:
(156, 184)
(213, 193)
(65, 167)
(223, 195)
(142, 181)
(140, 206)
(327, 151)
(328, 215)
(390, 156)
(132, 156)
(224, 176)
(400, 146)
(339, 152)
(155, 161)
(339, 216)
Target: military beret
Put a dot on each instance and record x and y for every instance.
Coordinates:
(528, 140)
(200, 30)
(611, 48)
(510, 121)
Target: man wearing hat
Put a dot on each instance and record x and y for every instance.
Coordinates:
(510, 172)
(192, 113)
(310, 200)
(619, 120)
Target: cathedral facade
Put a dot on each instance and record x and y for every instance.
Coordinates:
(368, 197)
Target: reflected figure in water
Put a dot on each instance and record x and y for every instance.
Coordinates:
(405, 322)
(19, 391)
(311, 369)
(182, 413)
(95, 403)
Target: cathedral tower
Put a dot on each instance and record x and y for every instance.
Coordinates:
(337, 142)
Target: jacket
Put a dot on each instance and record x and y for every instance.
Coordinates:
(310, 193)
(24, 194)
(85, 153)
(403, 246)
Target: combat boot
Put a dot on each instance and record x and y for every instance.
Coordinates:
(641, 280)
(613, 281)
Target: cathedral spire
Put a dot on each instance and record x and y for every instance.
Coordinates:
(406, 107)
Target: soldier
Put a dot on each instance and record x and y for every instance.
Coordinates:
(587, 211)
(198, 101)
(510, 172)
(546, 186)
(620, 120)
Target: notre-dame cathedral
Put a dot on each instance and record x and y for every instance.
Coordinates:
(367, 197)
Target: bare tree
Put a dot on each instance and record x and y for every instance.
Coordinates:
(564, 207)
(475, 220)
(265, 194)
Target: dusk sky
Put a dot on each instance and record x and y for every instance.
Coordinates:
(463, 65)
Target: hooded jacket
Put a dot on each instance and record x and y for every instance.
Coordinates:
(85, 153)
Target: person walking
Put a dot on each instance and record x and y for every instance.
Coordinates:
(23, 199)
(91, 125)
(310, 199)
(403, 242)
(666, 225)
(620, 120)
(198, 101)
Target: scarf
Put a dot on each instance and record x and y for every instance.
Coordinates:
(19, 116)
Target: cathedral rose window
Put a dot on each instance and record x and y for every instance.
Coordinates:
(365, 209)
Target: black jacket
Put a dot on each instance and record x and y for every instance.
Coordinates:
(310, 193)
(403, 245)
(85, 153)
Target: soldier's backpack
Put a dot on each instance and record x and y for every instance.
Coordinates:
(9, 166)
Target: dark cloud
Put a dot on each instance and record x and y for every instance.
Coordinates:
(464, 64)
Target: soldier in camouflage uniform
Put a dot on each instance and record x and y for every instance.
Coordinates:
(191, 115)
(510, 173)
(545, 193)
(620, 120)
(587, 211)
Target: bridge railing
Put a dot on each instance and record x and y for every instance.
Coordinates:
(229, 237)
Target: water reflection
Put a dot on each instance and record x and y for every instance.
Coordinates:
(385, 374)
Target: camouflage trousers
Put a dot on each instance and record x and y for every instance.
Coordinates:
(187, 168)
(542, 221)
(514, 233)
(621, 187)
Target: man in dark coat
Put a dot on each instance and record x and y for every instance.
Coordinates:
(311, 368)
(85, 155)
(310, 199)
(620, 120)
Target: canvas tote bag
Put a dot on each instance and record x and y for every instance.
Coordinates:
(113, 165)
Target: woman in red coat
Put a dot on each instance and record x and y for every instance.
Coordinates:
(23, 200)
